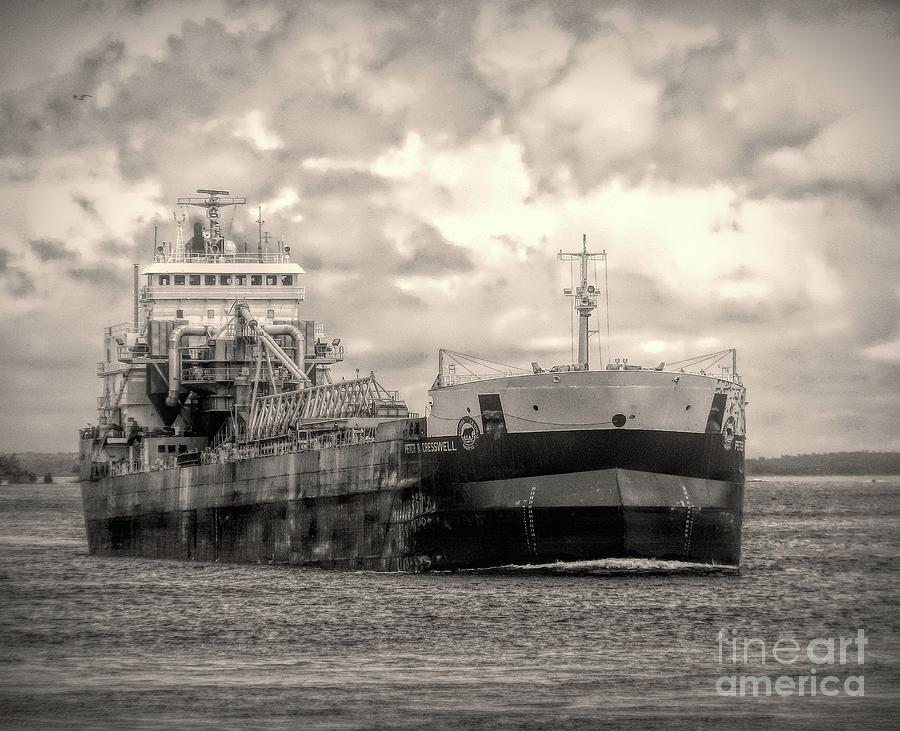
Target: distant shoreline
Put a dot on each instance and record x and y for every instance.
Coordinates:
(827, 464)
(750, 475)
(822, 475)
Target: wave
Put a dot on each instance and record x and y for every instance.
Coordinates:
(610, 567)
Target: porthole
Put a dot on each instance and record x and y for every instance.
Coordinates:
(619, 420)
(535, 407)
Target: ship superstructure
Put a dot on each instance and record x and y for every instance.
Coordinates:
(222, 436)
(213, 327)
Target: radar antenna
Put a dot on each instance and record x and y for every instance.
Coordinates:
(214, 200)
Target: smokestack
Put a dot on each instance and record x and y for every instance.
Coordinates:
(197, 245)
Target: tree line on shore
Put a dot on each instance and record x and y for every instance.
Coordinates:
(25, 467)
(12, 471)
(828, 463)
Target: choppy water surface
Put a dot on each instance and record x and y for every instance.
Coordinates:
(105, 642)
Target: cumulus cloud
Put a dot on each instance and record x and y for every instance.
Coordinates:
(433, 254)
(519, 50)
(50, 250)
(97, 274)
(426, 160)
(18, 283)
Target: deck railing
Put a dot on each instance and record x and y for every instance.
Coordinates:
(238, 258)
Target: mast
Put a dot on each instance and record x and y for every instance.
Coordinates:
(179, 240)
(585, 296)
(259, 222)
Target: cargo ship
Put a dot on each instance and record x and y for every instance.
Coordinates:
(223, 436)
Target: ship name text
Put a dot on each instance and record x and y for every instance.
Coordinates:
(444, 445)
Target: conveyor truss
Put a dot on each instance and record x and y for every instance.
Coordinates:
(276, 414)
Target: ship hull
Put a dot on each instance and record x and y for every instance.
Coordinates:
(414, 503)
(581, 516)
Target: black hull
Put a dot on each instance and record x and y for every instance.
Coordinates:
(609, 513)
(412, 503)
(502, 456)
(476, 539)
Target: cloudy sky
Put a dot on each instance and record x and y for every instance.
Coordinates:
(739, 162)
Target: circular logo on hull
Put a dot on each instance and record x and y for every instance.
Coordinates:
(468, 432)
(728, 433)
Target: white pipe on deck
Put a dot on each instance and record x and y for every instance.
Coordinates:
(299, 343)
(297, 366)
(175, 358)
(282, 357)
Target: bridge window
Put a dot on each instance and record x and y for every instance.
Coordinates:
(240, 279)
(225, 280)
(287, 280)
(164, 279)
(256, 279)
(179, 279)
(179, 314)
(210, 280)
(271, 279)
(194, 280)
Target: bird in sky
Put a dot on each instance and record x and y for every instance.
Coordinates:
(81, 97)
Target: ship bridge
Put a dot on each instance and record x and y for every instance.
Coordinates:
(198, 277)
(201, 289)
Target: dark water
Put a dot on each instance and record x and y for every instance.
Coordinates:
(108, 642)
